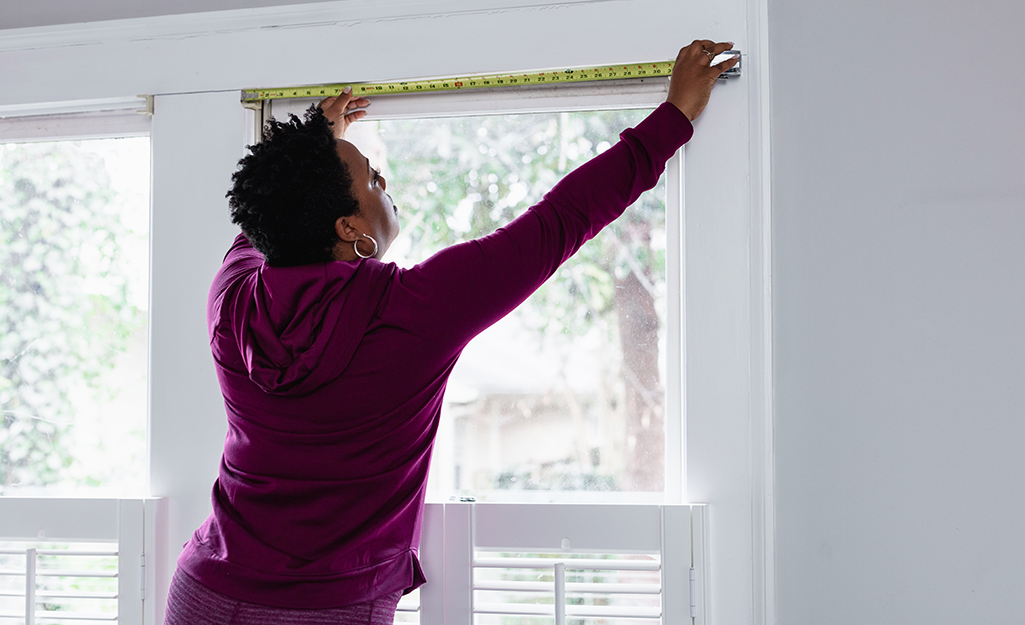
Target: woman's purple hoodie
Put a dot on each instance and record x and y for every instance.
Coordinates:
(333, 376)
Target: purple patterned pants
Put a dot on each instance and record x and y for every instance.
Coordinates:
(191, 603)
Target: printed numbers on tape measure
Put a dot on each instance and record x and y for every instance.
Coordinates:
(477, 82)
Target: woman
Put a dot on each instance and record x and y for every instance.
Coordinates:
(333, 364)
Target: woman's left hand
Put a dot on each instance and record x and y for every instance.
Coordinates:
(342, 110)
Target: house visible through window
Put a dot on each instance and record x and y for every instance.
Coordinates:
(74, 221)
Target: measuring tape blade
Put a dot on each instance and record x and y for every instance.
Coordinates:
(486, 81)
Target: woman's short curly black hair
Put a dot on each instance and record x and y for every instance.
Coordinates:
(291, 188)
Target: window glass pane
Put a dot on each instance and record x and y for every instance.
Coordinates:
(74, 223)
(566, 393)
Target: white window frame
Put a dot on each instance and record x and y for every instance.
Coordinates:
(139, 526)
(451, 529)
(609, 95)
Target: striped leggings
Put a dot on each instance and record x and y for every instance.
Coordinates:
(191, 603)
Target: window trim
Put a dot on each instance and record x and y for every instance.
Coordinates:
(73, 125)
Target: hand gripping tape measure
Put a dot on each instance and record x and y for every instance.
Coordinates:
(484, 81)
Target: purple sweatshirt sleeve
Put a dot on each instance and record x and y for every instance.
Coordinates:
(463, 289)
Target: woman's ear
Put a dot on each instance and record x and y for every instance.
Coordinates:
(345, 230)
(347, 233)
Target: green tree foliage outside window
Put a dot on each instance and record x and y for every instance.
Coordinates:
(67, 313)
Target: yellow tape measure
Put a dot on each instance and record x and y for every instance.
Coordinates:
(609, 72)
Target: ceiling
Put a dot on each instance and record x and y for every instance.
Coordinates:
(29, 13)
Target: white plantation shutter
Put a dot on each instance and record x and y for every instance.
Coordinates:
(45, 566)
(623, 563)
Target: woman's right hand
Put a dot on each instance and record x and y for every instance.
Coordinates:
(694, 75)
(342, 110)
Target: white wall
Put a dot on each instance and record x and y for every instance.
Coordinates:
(899, 309)
(196, 143)
(196, 66)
